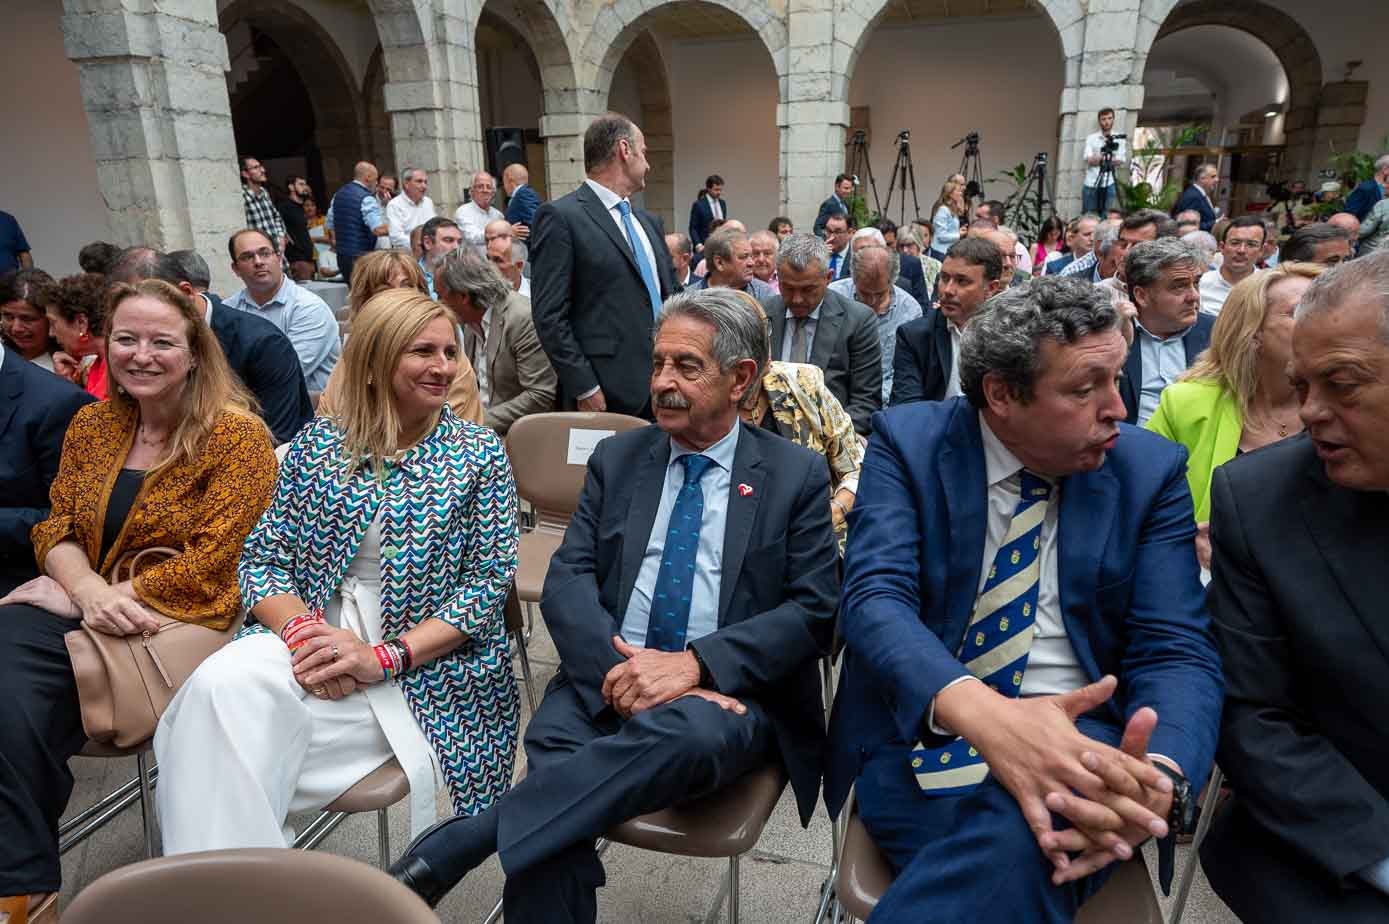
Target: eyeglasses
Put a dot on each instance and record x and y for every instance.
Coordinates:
(265, 254)
(1245, 245)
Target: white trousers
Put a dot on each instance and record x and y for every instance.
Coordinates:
(243, 745)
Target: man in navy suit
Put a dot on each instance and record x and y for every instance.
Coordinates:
(693, 592)
(1164, 280)
(1012, 553)
(600, 271)
(35, 409)
(1198, 196)
(709, 206)
(836, 204)
(521, 200)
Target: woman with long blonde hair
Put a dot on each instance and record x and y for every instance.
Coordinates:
(1236, 397)
(175, 458)
(946, 214)
(374, 583)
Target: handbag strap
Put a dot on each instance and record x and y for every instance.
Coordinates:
(128, 565)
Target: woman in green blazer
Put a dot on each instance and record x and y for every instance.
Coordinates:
(1237, 397)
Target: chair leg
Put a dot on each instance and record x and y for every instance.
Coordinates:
(146, 802)
(529, 609)
(383, 837)
(733, 890)
(495, 915)
(526, 675)
(1193, 861)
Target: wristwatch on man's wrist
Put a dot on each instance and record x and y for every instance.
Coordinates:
(1181, 817)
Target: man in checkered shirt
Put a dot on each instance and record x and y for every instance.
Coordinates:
(261, 213)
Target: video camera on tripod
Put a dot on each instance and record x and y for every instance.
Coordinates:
(1111, 143)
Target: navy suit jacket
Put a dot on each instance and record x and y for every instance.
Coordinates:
(777, 594)
(36, 407)
(262, 355)
(922, 359)
(1363, 198)
(701, 217)
(829, 208)
(1195, 200)
(913, 279)
(520, 210)
(1130, 587)
(591, 309)
(1194, 340)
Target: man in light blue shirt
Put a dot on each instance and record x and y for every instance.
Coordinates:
(304, 318)
(439, 237)
(1163, 277)
(874, 268)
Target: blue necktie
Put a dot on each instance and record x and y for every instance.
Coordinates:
(648, 273)
(998, 639)
(834, 266)
(670, 602)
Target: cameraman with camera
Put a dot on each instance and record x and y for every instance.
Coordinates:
(1105, 152)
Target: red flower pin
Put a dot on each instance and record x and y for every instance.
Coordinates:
(745, 489)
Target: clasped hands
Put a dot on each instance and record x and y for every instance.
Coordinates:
(332, 676)
(103, 607)
(648, 678)
(1115, 798)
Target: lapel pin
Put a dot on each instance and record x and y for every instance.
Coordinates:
(745, 489)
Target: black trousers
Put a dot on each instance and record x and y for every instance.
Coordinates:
(586, 776)
(40, 729)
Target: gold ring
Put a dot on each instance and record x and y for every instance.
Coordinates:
(318, 691)
(335, 652)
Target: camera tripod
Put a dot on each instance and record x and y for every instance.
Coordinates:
(971, 167)
(861, 165)
(1104, 181)
(1034, 192)
(903, 168)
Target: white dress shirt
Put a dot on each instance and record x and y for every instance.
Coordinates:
(472, 221)
(610, 200)
(704, 595)
(479, 358)
(404, 216)
(952, 384)
(524, 289)
(1094, 145)
(1215, 288)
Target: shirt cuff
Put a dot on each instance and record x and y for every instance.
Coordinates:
(1377, 875)
(589, 394)
(931, 713)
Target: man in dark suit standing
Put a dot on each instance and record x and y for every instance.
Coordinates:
(600, 271)
(811, 324)
(1298, 534)
(926, 361)
(691, 597)
(1164, 280)
(521, 200)
(837, 203)
(709, 206)
(1198, 195)
(257, 351)
(35, 409)
(1012, 553)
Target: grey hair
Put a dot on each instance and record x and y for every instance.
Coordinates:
(894, 262)
(1206, 168)
(873, 234)
(519, 252)
(1302, 246)
(191, 268)
(739, 332)
(1147, 259)
(1005, 336)
(802, 251)
(411, 171)
(1352, 282)
(720, 245)
(1382, 163)
(909, 236)
(682, 242)
(1106, 236)
(464, 272)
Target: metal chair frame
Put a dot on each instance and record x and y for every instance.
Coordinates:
(87, 822)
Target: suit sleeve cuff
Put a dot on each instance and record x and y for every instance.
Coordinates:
(931, 713)
(589, 394)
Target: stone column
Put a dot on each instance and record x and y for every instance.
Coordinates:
(1104, 69)
(431, 94)
(564, 150)
(813, 112)
(154, 89)
(1340, 115)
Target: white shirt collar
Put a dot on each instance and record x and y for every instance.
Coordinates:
(721, 452)
(999, 462)
(605, 195)
(207, 313)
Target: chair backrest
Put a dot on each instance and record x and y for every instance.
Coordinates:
(268, 886)
(511, 612)
(541, 446)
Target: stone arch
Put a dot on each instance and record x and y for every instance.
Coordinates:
(339, 115)
(379, 149)
(1289, 42)
(617, 26)
(656, 122)
(544, 27)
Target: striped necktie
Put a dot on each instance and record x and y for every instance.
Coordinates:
(998, 639)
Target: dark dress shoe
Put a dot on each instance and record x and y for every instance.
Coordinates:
(414, 873)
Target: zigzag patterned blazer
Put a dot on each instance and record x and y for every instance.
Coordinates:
(448, 551)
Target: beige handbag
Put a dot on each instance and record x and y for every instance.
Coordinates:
(124, 683)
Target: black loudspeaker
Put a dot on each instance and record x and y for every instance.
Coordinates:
(505, 146)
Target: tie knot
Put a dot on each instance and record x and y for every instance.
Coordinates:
(624, 208)
(696, 464)
(1035, 487)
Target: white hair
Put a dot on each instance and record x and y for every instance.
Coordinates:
(872, 234)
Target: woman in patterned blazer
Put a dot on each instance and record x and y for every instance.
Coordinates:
(375, 583)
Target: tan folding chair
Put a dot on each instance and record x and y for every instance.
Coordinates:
(538, 446)
(140, 789)
(376, 792)
(234, 886)
(864, 876)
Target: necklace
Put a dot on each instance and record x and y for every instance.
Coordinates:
(146, 441)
